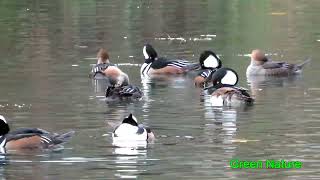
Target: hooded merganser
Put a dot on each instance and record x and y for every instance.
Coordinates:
(105, 70)
(209, 63)
(29, 138)
(160, 65)
(122, 93)
(224, 91)
(261, 65)
(130, 130)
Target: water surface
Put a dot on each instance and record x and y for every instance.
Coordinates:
(45, 54)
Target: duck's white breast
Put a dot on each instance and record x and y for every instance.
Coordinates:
(216, 100)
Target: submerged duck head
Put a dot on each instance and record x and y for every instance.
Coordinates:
(4, 127)
(225, 77)
(130, 130)
(258, 57)
(149, 53)
(209, 60)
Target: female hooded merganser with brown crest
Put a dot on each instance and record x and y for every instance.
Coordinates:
(29, 138)
(160, 65)
(123, 93)
(105, 70)
(224, 91)
(130, 130)
(209, 63)
(261, 65)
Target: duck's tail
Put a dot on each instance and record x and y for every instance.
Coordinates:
(63, 138)
(300, 66)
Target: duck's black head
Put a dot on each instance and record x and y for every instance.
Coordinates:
(225, 76)
(209, 60)
(130, 120)
(149, 53)
(4, 127)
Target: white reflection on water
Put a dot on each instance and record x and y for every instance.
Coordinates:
(129, 153)
(221, 121)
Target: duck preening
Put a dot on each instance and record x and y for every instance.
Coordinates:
(123, 93)
(160, 65)
(105, 70)
(261, 65)
(130, 130)
(224, 91)
(209, 63)
(29, 138)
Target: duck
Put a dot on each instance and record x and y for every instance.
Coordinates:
(160, 65)
(130, 130)
(29, 138)
(108, 71)
(123, 93)
(262, 65)
(224, 91)
(209, 63)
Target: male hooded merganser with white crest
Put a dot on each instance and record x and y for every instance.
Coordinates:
(104, 69)
(123, 93)
(261, 65)
(130, 130)
(160, 65)
(29, 138)
(209, 63)
(224, 91)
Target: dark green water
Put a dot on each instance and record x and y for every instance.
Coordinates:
(46, 48)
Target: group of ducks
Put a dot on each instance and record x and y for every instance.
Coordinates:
(217, 81)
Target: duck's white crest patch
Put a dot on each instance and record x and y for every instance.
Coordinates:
(145, 53)
(230, 78)
(134, 118)
(3, 119)
(211, 62)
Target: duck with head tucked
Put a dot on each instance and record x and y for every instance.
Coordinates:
(123, 93)
(104, 69)
(29, 138)
(130, 130)
(261, 65)
(160, 65)
(224, 91)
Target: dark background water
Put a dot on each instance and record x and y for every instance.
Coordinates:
(45, 54)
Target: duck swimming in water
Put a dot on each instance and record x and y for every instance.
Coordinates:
(224, 91)
(209, 63)
(130, 130)
(106, 70)
(160, 65)
(29, 138)
(261, 65)
(123, 93)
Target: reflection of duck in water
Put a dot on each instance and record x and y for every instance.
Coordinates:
(155, 65)
(224, 91)
(123, 93)
(261, 65)
(29, 138)
(209, 63)
(104, 70)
